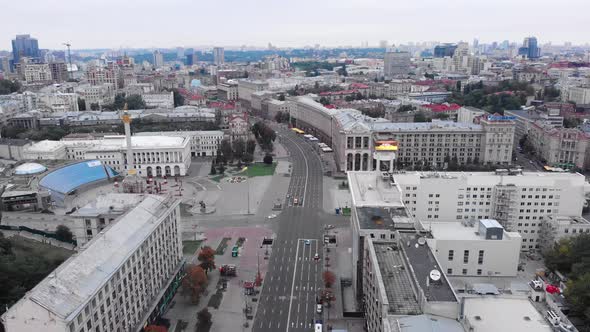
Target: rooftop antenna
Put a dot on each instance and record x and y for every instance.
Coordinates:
(70, 59)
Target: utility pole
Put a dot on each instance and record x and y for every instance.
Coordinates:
(70, 59)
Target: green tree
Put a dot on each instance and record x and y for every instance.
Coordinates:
(135, 102)
(420, 117)
(239, 148)
(81, 104)
(267, 159)
(7, 87)
(64, 234)
(282, 97)
(94, 107)
(178, 98)
(226, 149)
(119, 102)
(250, 146)
(324, 101)
(406, 108)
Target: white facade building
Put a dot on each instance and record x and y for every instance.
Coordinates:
(467, 114)
(463, 249)
(158, 59)
(396, 64)
(555, 228)
(203, 143)
(579, 95)
(152, 155)
(247, 87)
(159, 100)
(519, 201)
(218, 55)
(119, 282)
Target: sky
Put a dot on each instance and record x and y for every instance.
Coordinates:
(188, 23)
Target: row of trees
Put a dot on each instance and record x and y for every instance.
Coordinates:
(195, 280)
(265, 135)
(240, 150)
(571, 256)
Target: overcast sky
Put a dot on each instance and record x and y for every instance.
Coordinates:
(168, 23)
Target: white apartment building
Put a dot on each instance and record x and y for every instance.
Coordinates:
(475, 249)
(519, 201)
(59, 102)
(153, 156)
(159, 100)
(37, 73)
(247, 87)
(396, 64)
(121, 281)
(158, 59)
(579, 94)
(203, 143)
(218, 55)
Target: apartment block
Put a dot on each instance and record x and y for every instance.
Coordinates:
(121, 281)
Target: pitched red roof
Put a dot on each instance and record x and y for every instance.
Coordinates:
(443, 107)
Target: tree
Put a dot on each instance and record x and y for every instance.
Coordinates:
(204, 317)
(420, 117)
(207, 258)
(194, 282)
(239, 148)
(267, 159)
(135, 102)
(578, 294)
(7, 87)
(226, 149)
(221, 169)
(63, 233)
(324, 101)
(119, 102)
(458, 86)
(329, 278)
(250, 146)
(406, 108)
(94, 106)
(213, 170)
(81, 104)
(178, 98)
(282, 97)
(327, 297)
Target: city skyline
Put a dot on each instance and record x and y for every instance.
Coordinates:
(329, 24)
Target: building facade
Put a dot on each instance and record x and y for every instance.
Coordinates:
(218, 55)
(203, 143)
(396, 64)
(122, 281)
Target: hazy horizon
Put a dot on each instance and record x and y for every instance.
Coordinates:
(111, 24)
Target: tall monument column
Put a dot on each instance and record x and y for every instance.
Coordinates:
(127, 123)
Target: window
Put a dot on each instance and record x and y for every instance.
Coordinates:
(451, 254)
(449, 271)
(464, 272)
(480, 257)
(478, 272)
(466, 256)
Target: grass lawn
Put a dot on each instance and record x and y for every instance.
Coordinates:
(190, 247)
(261, 169)
(24, 247)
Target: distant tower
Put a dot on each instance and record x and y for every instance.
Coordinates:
(218, 55)
(127, 123)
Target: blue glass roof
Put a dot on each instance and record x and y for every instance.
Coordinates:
(68, 178)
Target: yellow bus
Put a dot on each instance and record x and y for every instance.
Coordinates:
(298, 131)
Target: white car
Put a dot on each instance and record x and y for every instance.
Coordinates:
(272, 216)
(319, 308)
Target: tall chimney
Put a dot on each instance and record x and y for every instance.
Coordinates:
(127, 123)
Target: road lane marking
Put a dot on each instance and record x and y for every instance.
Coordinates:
(292, 286)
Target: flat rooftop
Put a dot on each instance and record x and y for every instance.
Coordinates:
(68, 288)
(568, 220)
(423, 323)
(383, 218)
(397, 280)
(372, 189)
(458, 231)
(492, 314)
(423, 262)
(108, 203)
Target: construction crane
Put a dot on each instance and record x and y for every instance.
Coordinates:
(70, 57)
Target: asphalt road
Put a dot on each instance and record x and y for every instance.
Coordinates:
(293, 281)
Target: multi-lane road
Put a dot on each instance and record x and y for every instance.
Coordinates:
(293, 281)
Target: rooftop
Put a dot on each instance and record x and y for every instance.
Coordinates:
(568, 220)
(109, 203)
(424, 323)
(458, 231)
(423, 262)
(491, 314)
(66, 291)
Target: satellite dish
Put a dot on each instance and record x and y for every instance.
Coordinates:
(435, 275)
(421, 241)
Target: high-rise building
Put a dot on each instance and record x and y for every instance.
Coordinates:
(441, 51)
(218, 55)
(530, 48)
(383, 44)
(158, 59)
(5, 64)
(121, 281)
(180, 53)
(396, 64)
(191, 59)
(25, 46)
